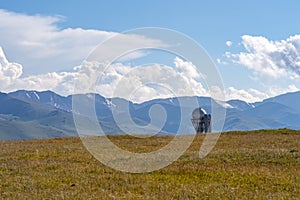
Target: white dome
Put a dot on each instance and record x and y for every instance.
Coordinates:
(198, 113)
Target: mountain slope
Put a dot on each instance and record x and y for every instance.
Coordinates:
(21, 130)
(31, 119)
(290, 100)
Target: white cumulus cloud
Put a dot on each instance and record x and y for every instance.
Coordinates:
(248, 95)
(275, 59)
(9, 72)
(42, 46)
(228, 43)
(251, 95)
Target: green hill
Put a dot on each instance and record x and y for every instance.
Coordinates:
(243, 165)
(48, 127)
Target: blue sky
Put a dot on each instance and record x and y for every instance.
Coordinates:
(269, 25)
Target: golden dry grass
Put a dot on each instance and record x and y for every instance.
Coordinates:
(243, 165)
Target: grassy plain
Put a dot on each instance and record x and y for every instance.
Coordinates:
(243, 165)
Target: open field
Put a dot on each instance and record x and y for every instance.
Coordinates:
(243, 165)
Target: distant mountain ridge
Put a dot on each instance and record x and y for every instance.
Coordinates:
(32, 114)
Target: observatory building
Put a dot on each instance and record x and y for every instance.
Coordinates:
(201, 121)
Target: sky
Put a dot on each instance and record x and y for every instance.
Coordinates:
(255, 45)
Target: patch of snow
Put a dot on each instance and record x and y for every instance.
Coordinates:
(224, 104)
(109, 103)
(36, 95)
(251, 105)
(90, 96)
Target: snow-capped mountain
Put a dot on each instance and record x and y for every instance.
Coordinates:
(32, 114)
(45, 97)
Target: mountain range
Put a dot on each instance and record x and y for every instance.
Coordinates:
(35, 115)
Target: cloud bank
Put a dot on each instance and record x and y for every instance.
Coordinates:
(138, 84)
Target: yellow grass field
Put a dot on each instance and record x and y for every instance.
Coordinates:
(243, 165)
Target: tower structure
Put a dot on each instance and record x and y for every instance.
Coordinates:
(201, 120)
